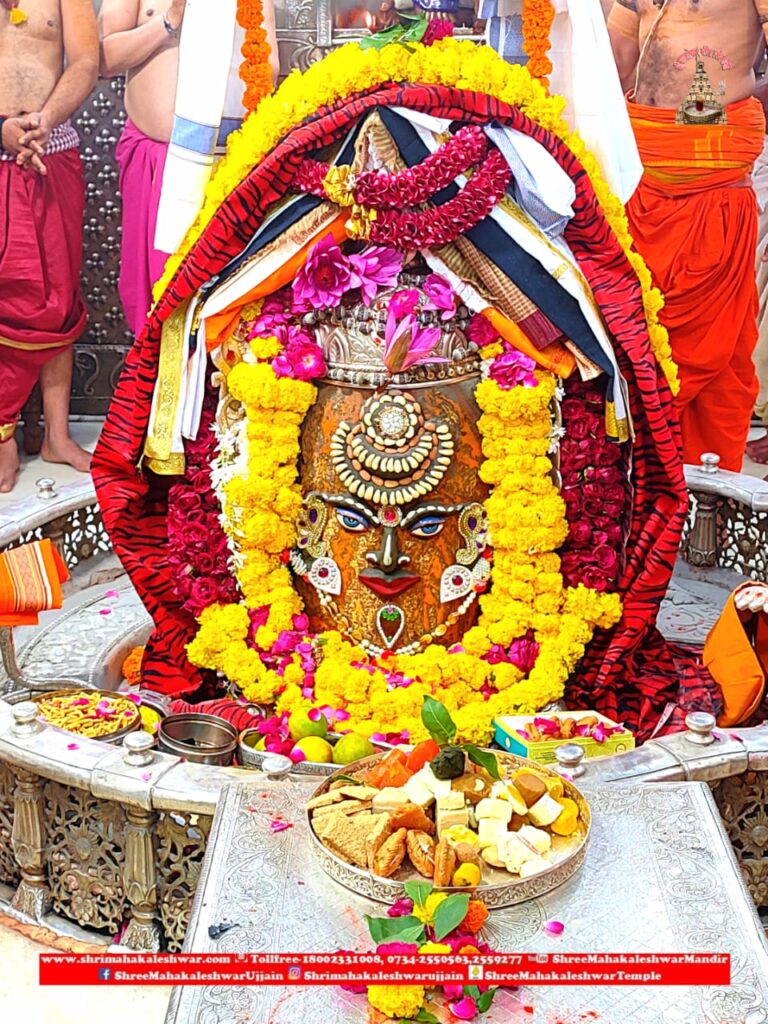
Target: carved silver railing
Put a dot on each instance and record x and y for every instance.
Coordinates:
(109, 837)
(728, 521)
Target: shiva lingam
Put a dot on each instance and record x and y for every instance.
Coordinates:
(392, 546)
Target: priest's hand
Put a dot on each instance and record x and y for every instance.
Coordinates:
(14, 132)
(752, 598)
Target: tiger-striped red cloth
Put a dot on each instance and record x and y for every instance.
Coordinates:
(629, 673)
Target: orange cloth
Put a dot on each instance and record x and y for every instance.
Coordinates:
(696, 228)
(222, 325)
(555, 357)
(30, 582)
(736, 656)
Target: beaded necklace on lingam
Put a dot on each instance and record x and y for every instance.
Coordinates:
(15, 16)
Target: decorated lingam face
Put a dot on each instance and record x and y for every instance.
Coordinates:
(392, 545)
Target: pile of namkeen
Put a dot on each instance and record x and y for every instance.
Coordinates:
(451, 813)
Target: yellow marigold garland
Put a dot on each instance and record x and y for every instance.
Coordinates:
(450, 62)
(527, 524)
(255, 70)
(538, 16)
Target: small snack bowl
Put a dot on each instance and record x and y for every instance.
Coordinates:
(95, 714)
(204, 739)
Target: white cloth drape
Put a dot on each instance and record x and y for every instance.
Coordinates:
(208, 106)
(584, 73)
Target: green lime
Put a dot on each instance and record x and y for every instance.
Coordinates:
(301, 725)
(315, 749)
(351, 748)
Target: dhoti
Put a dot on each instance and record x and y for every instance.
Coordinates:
(141, 161)
(694, 220)
(41, 308)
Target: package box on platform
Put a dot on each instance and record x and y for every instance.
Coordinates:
(510, 734)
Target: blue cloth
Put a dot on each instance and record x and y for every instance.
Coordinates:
(505, 35)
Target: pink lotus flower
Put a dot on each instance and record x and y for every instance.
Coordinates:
(524, 652)
(464, 1009)
(323, 279)
(376, 267)
(513, 369)
(440, 296)
(406, 342)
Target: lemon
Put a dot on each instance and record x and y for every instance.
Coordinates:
(467, 876)
(301, 725)
(149, 718)
(351, 748)
(316, 749)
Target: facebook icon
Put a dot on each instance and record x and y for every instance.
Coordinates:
(105, 973)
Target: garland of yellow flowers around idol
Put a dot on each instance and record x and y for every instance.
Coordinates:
(527, 521)
(460, 64)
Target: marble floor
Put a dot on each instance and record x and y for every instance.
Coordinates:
(85, 432)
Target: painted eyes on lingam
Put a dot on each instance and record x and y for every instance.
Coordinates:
(389, 560)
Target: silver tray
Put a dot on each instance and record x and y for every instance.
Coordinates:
(501, 889)
(249, 757)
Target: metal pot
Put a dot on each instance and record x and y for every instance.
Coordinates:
(204, 739)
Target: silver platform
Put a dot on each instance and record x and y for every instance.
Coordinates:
(660, 877)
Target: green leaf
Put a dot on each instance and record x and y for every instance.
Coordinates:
(418, 892)
(437, 721)
(485, 999)
(473, 991)
(425, 1017)
(483, 758)
(450, 914)
(415, 32)
(349, 779)
(381, 39)
(395, 929)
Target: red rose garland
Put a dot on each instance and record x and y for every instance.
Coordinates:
(409, 187)
(596, 492)
(199, 552)
(439, 225)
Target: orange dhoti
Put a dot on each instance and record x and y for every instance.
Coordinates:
(694, 221)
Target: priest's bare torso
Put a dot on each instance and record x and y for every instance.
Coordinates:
(669, 39)
(31, 56)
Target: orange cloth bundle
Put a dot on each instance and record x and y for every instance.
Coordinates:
(30, 582)
(736, 656)
(694, 221)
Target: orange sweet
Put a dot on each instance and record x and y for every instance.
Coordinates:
(565, 823)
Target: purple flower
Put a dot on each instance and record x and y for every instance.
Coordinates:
(440, 296)
(513, 369)
(481, 331)
(374, 268)
(324, 278)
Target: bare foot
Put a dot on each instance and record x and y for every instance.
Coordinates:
(9, 465)
(67, 453)
(758, 450)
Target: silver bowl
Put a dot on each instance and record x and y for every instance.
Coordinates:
(501, 889)
(111, 737)
(204, 739)
(249, 757)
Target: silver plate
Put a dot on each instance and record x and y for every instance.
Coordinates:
(501, 889)
(659, 877)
